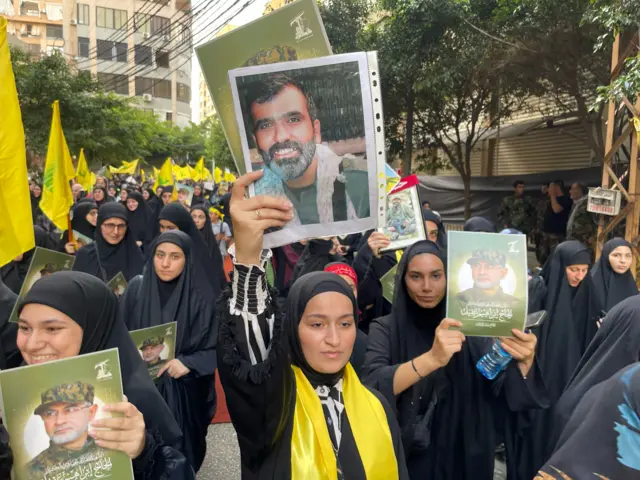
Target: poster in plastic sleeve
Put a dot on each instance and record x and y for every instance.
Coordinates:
(48, 408)
(118, 284)
(388, 282)
(404, 225)
(157, 345)
(487, 282)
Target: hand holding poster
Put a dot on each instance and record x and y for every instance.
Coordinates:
(310, 127)
(487, 282)
(48, 408)
(157, 345)
(44, 262)
(404, 225)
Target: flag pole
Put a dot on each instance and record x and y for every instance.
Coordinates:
(69, 231)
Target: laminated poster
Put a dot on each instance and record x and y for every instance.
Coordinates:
(487, 282)
(404, 224)
(47, 409)
(157, 345)
(118, 284)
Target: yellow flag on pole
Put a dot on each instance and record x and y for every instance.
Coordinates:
(142, 175)
(164, 178)
(200, 171)
(126, 168)
(58, 171)
(16, 226)
(229, 177)
(217, 175)
(84, 176)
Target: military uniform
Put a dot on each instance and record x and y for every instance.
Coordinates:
(402, 219)
(154, 368)
(541, 207)
(478, 295)
(518, 213)
(53, 456)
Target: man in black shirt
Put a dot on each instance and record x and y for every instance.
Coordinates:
(555, 219)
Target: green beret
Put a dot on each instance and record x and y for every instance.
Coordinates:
(492, 257)
(152, 342)
(77, 392)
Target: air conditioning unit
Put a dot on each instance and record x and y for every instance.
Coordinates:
(146, 35)
(73, 21)
(147, 97)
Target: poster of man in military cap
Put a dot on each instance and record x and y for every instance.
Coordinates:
(487, 282)
(44, 262)
(118, 284)
(48, 409)
(310, 127)
(293, 32)
(157, 345)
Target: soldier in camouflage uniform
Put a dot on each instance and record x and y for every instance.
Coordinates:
(66, 411)
(518, 211)
(151, 349)
(488, 268)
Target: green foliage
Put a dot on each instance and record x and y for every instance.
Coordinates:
(343, 20)
(216, 146)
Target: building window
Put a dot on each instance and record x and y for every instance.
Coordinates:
(143, 25)
(114, 83)
(54, 31)
(184, 93)
(144, 85)
(34, 50)
(168, 116)
(160, 26)
(162, 89)
(83, 14)
(143, 55)
(162, 59)
(105, 50)
(121, 52)
(110, 18)
(31, 9)
(83, 47)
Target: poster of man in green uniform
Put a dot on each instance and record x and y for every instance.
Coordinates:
(487, 282)
(48, 409)
(156, 346)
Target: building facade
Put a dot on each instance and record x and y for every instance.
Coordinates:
(135, 48)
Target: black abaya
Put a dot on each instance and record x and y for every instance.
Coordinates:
(612, 287)
(79, 223)
(191, 398)
(316, 255)
(208, 264)
(207, 232)
(105, 261)
(429, 216)
(449, 419)
(479, 224)
(141, 219)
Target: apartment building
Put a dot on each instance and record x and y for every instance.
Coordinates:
(136, 48)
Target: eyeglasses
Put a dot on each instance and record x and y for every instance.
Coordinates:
(69, 410)
(110, 227)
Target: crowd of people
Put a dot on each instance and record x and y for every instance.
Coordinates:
(324, 377)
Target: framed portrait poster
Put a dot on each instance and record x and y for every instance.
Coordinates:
(404, 225)
(487, 282)
(35, 399)
(315, 129)
(118, 284)
(293, 32)
(157, 345)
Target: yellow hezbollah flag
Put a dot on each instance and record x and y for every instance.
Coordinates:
(165, 178)
(156, 172)
(84, 176)
(58, 171)
(16, 226)
(142, 175)
(207, 174)
(199, 170)
(229, 177)
(126, 168)
(217, 175)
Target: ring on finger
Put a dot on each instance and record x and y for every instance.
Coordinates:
(258, 214)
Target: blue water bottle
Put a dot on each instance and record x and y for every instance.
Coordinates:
(493, 362)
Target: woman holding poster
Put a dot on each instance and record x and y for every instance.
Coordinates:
(298, 407)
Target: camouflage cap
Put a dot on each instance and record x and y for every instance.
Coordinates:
(152, 342)
(492, 257)
(77, 392)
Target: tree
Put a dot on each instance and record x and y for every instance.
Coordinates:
(343, 21)
(216, 146)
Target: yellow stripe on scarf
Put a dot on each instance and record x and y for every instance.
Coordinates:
(312, 455)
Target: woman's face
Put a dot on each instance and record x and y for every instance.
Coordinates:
(98, 195)
(124, 195)
(113, 230)
(197, 191)
(132, 204)
(576, 274)
(327, 332)
(199, 218)
(166, 225)
(352, 284)
(621, 259)
(145, 194)
(101, 182)
(425, 280)
(168, 261)
(46, 334)
(432, 230)
(112, 192)
(37, 191)
(92, 217)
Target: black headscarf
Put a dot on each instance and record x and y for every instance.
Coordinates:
(612, 287)
(107, 198)
(479, 224)
(316, 255)
(207, 231)
(429, 216)
(209, 263)
(79, 221)
(302, 291)
(601, 437)
(616, 345)
(105, 261)
(140, 219)
(93, 306)
(8, 330)
(14, 273)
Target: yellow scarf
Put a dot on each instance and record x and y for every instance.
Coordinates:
(312, 455)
